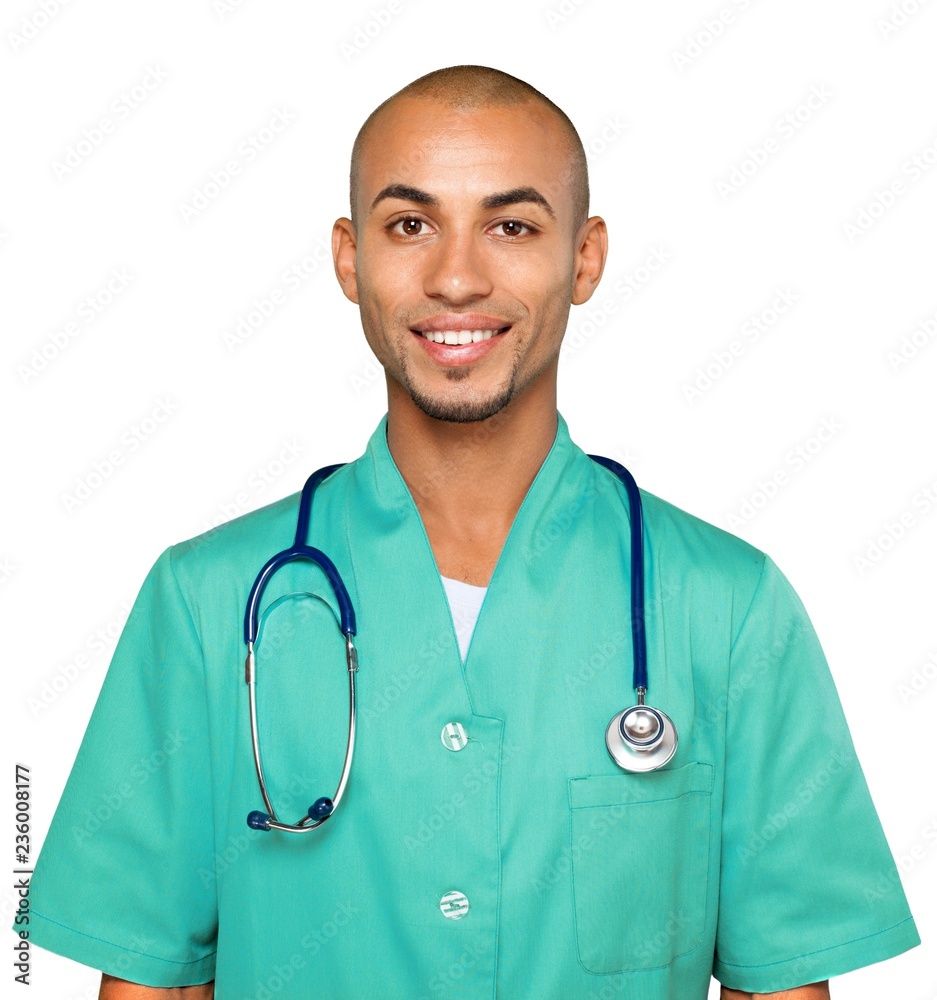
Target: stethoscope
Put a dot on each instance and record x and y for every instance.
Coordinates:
(639, 738)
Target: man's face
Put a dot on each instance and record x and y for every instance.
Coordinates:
(464, 223)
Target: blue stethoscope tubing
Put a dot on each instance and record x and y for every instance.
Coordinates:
(636, 511)
(638, 738)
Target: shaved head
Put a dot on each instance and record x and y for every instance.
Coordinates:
(475, 88)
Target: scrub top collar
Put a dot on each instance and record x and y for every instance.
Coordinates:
(377, 473)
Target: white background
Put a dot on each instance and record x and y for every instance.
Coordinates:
(661, 138)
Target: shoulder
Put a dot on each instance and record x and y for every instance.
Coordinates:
(235, 549)
(245, 543)
(703, 553)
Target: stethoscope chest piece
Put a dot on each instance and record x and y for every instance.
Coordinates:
(641, 738)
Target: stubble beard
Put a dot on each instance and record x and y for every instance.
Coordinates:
(457, 411)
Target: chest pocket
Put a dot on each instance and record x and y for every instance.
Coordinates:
(639, 845)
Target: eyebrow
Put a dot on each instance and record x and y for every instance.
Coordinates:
(502, 199)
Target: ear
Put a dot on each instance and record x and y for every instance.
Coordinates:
(591, 251)
(344, 256)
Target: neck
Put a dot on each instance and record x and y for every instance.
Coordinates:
(470, 479)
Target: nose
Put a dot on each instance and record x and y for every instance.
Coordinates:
(457, 270)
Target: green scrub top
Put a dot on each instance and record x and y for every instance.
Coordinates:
(520, 862)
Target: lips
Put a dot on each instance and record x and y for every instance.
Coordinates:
(453, 339)
(461, 321)
(455, 354)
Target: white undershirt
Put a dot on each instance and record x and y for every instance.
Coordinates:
(465, 602)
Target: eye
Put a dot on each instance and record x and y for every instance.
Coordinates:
(409, 226)
(512, 228)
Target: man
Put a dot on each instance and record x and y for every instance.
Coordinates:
(487, 844)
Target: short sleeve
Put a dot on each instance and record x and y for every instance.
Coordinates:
(116, 884)
(809, 888)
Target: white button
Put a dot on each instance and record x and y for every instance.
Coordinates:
(454, 905)
(453, 736)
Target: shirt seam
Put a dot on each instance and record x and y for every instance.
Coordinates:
(822, 951)
(207, 710)
(118, 947)
(185, 603)
(494, 978)
(725, 729)
(751, 604)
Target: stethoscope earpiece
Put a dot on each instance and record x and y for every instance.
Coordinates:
(321, 809)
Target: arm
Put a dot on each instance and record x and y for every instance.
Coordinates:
(816, 991)
(119, 989)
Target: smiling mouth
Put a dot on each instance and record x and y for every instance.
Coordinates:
(458, 338)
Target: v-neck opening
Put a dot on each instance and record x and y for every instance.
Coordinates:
(561, 434)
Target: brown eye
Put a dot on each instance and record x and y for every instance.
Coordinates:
(411, 227)
(512, 227)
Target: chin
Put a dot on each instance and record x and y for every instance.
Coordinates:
(461, 411)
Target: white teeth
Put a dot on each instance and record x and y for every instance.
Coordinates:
(458, 337)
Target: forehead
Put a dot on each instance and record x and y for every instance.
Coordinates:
(451, 152)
